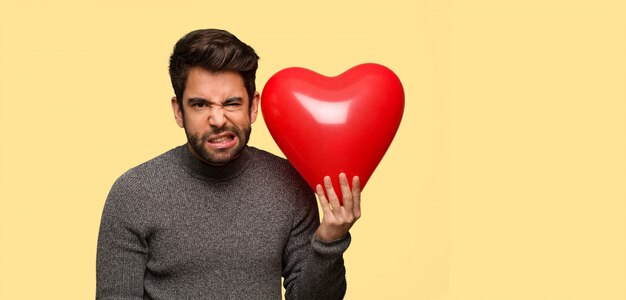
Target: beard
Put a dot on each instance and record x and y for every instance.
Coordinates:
(199, 144)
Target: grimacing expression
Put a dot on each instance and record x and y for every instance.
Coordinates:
(215, 114)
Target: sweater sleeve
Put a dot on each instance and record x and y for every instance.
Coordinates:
(122, 247)
(313, 269)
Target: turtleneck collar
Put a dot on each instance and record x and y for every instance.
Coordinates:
(204, 171)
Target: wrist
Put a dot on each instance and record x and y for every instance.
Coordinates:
(325, 235)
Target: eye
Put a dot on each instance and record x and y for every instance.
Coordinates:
(232, 105)
(198, 104)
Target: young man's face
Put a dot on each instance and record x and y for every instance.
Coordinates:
(216, 117)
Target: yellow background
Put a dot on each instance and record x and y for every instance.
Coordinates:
(506, 180)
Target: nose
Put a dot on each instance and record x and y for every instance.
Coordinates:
(216, 117)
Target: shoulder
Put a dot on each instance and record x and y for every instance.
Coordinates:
(133, 192)
(273, 166)
(147, 174)
(277, 174)
(262, 155)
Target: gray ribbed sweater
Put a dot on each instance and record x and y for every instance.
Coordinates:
(176, 228)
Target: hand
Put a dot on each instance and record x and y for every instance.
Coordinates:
(338, 219)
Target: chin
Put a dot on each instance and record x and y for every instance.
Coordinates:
(218, 159)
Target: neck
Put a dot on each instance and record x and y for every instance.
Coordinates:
(200, 168)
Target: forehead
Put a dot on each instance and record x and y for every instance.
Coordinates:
(214, 85)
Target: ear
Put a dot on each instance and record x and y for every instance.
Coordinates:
(178, 114)
(254, 108)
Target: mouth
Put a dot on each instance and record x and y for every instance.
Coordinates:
(222, 140)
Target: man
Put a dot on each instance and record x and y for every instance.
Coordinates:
(215, 218)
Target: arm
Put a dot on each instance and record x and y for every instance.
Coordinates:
(313, 265)
(122, 247)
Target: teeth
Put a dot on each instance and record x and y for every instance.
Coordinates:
(221, 140)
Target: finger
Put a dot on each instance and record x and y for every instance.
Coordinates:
(322, 198)
(330, 191)
(345, 192)
(356, 196)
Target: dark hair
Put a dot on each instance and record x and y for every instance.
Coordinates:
(214, 50)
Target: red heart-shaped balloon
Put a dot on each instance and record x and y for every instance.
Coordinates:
(328, 125)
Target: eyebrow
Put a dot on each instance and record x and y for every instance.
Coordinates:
(197, 99)
(231, 99)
